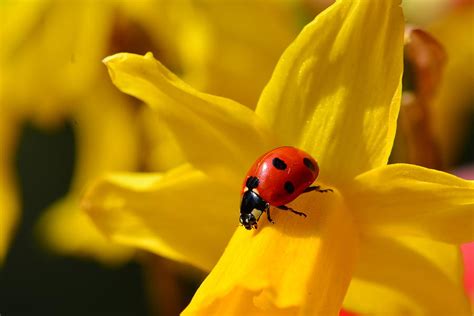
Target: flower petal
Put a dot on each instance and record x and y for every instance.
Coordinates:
(107, 140)
(233, 47)
(296, 266)
(405, 199)
(182, 214)
(50, 53)
(336, 90)
(407, 276)
(162, 152)
(64, 218)
(214, 133)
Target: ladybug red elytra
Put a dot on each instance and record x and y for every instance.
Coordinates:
(275, 179)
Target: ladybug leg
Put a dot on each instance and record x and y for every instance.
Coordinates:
(316, 188)
(267, 210)
(286, 208)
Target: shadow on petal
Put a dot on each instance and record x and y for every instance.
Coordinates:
(416, 275)
(298, 263)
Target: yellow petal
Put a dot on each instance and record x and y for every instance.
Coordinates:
(296, 266)
(107, 136)
(336, 89)
(405, 199)
(366, 297)
(182, 214)
(214, 133)
(68, 231)
(161, 150)
(407, 276)
(54, 55)
(107, 140)
(158, 24)
(233, 47)
(226, 48)
(9, 201)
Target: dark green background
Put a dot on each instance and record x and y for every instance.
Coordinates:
(34, 282)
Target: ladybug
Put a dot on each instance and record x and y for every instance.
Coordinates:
(275, 179)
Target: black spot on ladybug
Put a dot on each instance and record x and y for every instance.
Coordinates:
(278, 163)
(289, 187)
(252, 183)
(308, 163)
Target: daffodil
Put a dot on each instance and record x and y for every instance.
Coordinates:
(51, 71)
(98, 152)
(384, 242)
(225, 31)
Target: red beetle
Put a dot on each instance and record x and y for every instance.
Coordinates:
(275, 179)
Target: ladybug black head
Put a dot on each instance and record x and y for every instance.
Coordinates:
(251, 209)
(248, 221)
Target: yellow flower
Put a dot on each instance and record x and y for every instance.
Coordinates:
(385, 242)
(202, 38)
(51, 70)
(225, 31)
(99, 151)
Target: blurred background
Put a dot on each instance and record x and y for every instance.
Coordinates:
(62, 123)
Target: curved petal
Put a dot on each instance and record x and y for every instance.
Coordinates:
(107, 140)
(182, 214)
(336, 90)
(233, 48)
(68, 231)
(296, 266)
(107, 136)
(403, 199)
(53, 49)
(366, 297)
(161, 150)
(214, 133)
(407, 276)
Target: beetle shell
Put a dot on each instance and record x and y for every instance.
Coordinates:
(283, 174)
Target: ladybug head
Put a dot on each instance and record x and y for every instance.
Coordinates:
(248, 221)
(251, 208)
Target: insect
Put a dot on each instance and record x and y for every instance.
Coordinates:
(275, 179)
